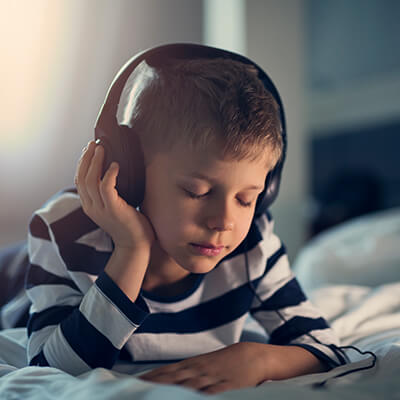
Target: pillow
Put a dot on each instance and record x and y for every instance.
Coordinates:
(363, 251)
(14, 304)
(13, 265)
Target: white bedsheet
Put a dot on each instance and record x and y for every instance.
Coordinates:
(365, 317)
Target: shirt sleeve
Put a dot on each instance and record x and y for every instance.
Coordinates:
(79, 318)
(281, 306)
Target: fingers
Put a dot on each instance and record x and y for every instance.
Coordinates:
(188, 377)
(93, 176)
(107, 186)
(81, 172)
(87, 176)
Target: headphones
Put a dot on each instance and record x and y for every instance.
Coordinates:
(122, 144)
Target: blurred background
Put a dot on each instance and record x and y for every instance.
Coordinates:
(336, 64)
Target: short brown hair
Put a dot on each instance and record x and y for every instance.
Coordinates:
(201, 101)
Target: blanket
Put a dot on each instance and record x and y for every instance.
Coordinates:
(365, 317)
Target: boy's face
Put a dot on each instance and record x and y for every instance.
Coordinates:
(221, 216)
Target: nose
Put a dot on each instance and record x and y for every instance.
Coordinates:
(216, 225)
(220, 219)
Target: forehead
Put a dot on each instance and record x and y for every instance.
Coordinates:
(183, 162)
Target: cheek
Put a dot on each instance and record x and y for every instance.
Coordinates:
(171, 220)
(242, 229)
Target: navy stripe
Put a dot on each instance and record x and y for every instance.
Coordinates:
(72, 226)
(39, 360)
(288, 295)
(91, 345)
(60, 193)
(172, 299)
(82, 258)
(294, 328)
(269, 216)
(38, 228)
(136, 311)
(272, 260)
(337, 352)
(124, 355)
(50, 316)
(38, 276)
(207, 315)
(328, 362)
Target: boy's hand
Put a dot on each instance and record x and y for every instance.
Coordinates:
(101, 202)
(236, 366)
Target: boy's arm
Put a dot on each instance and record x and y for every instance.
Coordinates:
(73, 314)
(237, 366)
(283, 362)
(77, 308)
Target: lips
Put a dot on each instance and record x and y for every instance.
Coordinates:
(209, 245)
(202, 250)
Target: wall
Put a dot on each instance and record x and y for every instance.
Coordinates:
(59, 65)
(275, 40)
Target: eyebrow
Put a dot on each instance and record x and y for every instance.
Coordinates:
(207, 178)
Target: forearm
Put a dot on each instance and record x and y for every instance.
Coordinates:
(283, 362)
(127, 267)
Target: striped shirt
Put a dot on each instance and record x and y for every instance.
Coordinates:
(80, 319)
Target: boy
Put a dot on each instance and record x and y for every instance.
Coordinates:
(166, 282)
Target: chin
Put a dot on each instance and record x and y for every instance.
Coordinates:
(199, 266)
(196, 264)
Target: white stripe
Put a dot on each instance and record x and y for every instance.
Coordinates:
(272, 320)
(270, 245)
(83, 280)
(228, 276)
(196, 298)
(265, 226)
(43, 253)
(45, 296)
(59, 207)
(106, 317)
(60, 354)
(265, 290)
(97, 239)
(279, 272)
(323, 335)
(37, 340)
(168, 346)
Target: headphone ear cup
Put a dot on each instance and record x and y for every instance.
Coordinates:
(261, 199)
(270, 192)
(125, 149)
(132, 180)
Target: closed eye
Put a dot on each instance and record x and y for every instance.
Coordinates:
(199, 196)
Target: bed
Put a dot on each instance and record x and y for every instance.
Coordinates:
(351, 272)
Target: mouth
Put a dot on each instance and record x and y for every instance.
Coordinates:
(206, 250)
(208, 245)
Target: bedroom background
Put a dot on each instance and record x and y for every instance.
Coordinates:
(335, 63)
